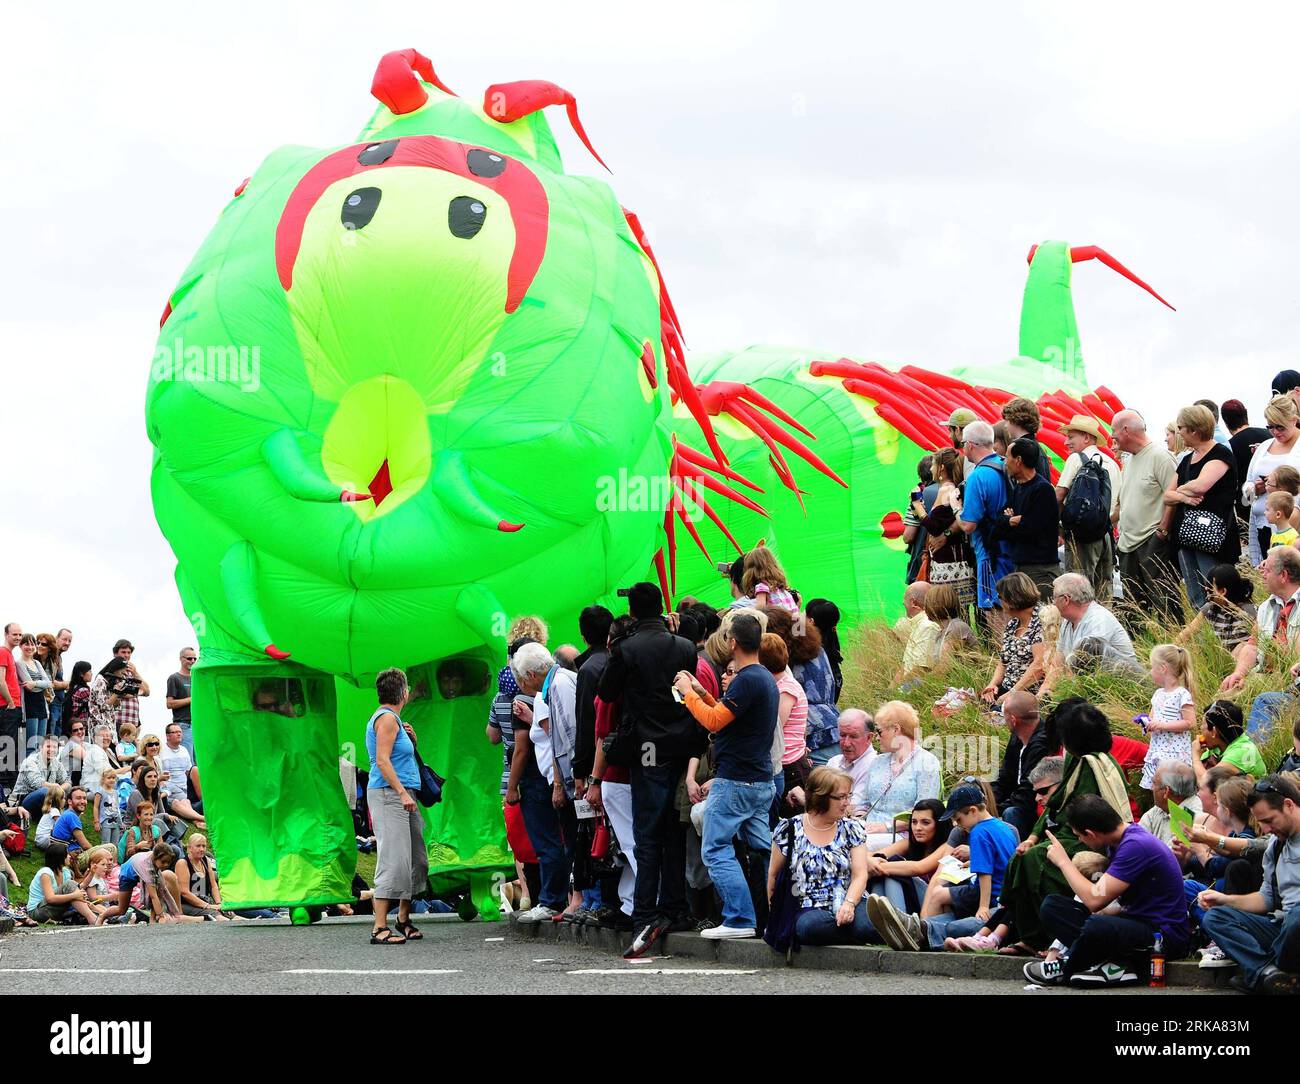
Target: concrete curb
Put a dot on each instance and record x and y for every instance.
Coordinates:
(864, 958)
(6, 926)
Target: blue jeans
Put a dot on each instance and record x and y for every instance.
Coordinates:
(816, 926)
(552, 835)
(659, 843)
(821, 756)
(735, 809)
(1255, 941)
(1196, 567)
(56, 716)
(33, 802)
(36, 730)
(905, 893)
(187, 738)
(949, 925)
(1266, 709)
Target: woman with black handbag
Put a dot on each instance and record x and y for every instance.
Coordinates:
(827, 864)
(1206, 496)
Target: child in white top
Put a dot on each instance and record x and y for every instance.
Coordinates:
(1173, 709)
(108, 813)
(764, 580)
(51, 810)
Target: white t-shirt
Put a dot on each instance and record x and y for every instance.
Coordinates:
(1099, 623)
(177, 763)
(1071, 468)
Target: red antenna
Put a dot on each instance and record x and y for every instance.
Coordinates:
(1092, 252)
(398, 77)
(507, 102)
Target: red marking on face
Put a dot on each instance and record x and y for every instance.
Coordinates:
(892, 525)
(516, 183)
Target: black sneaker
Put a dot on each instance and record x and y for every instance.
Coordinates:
(682, 924)
(1105, 974)
(1044, 972)
(647, 936)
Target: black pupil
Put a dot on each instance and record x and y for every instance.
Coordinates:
(465, 216)
(377, 153)
(485, 163)
(359, 208)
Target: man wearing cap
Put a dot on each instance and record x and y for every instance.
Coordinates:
(1287, 382)
(1143, 516)
(1094, 559)
(640, 670)
(957, 421)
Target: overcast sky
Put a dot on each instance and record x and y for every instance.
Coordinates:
(862, 179)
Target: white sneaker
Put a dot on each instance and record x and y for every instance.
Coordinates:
(540, 913)
(726, 933)
(1213, 956)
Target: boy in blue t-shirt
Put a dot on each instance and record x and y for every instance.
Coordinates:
(957, 910)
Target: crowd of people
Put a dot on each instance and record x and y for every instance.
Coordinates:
(696, 770)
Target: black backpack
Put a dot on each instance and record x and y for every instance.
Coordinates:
(1085, 516)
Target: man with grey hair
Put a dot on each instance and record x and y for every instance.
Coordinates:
(1046, 777)
(856, 753)
(543, 782)
(1174, 781)
(1090, 633)
(1143, 517)
(987, 496)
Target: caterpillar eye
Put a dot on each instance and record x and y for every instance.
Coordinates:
(359, 208)
(485, 163)
(378, 153)
(465, 216)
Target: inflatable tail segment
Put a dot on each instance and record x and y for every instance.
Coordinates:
(1048, 330)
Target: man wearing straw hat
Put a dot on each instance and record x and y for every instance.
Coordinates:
(1094, 559)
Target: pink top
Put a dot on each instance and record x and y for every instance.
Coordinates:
(795, 730)
(779, 597)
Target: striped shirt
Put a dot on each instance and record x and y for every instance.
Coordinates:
(795, 730)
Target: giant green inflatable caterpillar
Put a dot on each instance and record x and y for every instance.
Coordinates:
(412, 386)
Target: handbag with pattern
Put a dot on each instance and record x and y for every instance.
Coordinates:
(1202, 530)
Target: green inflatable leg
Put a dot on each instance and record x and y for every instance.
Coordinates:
(266, 737)
(485, 892)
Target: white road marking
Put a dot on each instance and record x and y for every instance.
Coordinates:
(546, 961)
(370, 971)
(494, 939)
(73, 970)
(664, 971)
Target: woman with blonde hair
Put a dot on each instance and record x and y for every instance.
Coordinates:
(1174, 442)
(1205, 497)
(533, 628)
(902, 775)
(1282, 419)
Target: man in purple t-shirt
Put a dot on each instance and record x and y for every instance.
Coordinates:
(1145, 879)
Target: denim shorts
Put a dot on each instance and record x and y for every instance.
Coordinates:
(965, 898)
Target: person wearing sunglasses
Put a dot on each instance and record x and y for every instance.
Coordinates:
(178, 696)
(1260, 931)
(1282, 420)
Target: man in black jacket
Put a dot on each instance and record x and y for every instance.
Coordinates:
(594, 624)
(1032, 524)
(641, 671)
(1017, 804)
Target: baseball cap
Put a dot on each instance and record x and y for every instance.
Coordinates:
(962, 417)
(1286, 382)
(968, 794)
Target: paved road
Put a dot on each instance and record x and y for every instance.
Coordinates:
(454, 958)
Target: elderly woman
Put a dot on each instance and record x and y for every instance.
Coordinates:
(828, 864)
(402, 861)
(1205, 496)
(1020, 655)
(901, 776)
(1089, 769)
(1282, 419)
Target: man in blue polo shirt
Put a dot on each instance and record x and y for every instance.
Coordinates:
(985, 499)
(68, 828)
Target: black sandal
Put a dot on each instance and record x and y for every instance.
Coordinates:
(409, 932)
(385, 936)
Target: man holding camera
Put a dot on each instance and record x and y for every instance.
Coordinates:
(640, 671)
(128, 703)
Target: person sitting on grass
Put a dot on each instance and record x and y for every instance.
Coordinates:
(962, 908)
(97, 864)
(1291, 761)
(1230, 612)
(900, 871)
(1174, 782)
(1224, 740)
(54, 893)
(1248, 927)
(141, 836)
(51, 810)
(955, 634)
(68, 829)
(828, 863)
(919, 634)
(1143, 875)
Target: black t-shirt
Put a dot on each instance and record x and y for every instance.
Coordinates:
(1221, 498)
(1243, 449)
(178, 688)
(742, 750)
